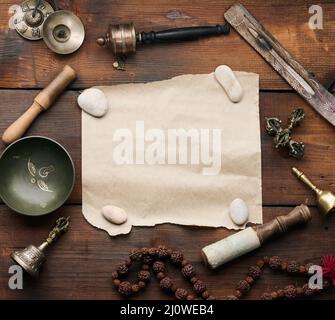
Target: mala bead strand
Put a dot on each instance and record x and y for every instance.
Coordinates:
(156, 258)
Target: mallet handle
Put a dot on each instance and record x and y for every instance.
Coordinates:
(41, 103)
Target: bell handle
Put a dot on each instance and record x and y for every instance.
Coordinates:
(302, 177)
(182, 34)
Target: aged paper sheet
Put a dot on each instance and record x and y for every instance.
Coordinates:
(155, 193)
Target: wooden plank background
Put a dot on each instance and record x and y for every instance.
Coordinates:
(80, 265)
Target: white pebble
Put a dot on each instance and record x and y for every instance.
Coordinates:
(227, 79)
(94, 102)
(239, 212)
(114, 214)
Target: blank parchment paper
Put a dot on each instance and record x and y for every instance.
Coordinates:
(174, 193)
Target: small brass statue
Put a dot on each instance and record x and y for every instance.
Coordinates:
(325, 199)
(32, 258)
(282, 137)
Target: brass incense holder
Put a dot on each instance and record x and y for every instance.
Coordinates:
(122, 39)
(63, 32)
(325, 199)
(32, 258)
(282, 137)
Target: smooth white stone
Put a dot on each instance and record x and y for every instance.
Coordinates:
(227, 79)
(114, 214)
(239, 212)
(94, 102)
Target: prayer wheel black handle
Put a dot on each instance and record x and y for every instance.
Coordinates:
(182, 34)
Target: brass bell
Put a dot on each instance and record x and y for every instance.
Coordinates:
(325, 199)
(32, 258)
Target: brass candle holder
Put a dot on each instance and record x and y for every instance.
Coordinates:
(325, 199)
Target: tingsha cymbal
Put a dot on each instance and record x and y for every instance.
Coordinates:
(28, 20)
(63, 32)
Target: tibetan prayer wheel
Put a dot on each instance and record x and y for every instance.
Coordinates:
(122, 39)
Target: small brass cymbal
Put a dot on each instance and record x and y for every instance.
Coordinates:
(63, 32)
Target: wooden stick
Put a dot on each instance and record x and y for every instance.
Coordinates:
(41, 103)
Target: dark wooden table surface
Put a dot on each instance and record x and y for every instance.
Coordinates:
(79, 267)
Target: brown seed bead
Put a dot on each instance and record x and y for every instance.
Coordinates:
(275, 263)
(199, 287)
(147, 259)
(142, 284)
(307, 290)
(128, 263)
(145, 267)
(122, 269)
(281, 293)
(135, 288)
(116, 282)
(158, 266)
(302, 269)
(290, 292)
(144, 275)
(292, 267)
(266, 260)
(260, 264)
(231, 297)
(162, 252)
(190, 297)
(250, 280)
(174, 288)
(243, 286)
(115, 275)
(166, 284)
(160, 275)
(254, 272)
(238, 294)
(144, 251)
(188, 271)
(181, 294)
(184, 263)
(205, 294)
(274, 295)
(284, 266)
(152, 252)
(135, 255)
(193, 280)
(125, 288)
(300, 291)
(266, 296)
(176, 257)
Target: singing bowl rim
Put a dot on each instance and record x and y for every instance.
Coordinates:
(68, 156)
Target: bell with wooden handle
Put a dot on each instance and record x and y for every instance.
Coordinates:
(32, 258)
(41, 103)
(325, 199)
(122, 39)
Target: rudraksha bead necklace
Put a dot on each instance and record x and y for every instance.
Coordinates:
(156, 259)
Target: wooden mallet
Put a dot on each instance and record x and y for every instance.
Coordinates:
(41, 103)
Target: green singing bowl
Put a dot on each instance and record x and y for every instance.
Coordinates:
(36, 176)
